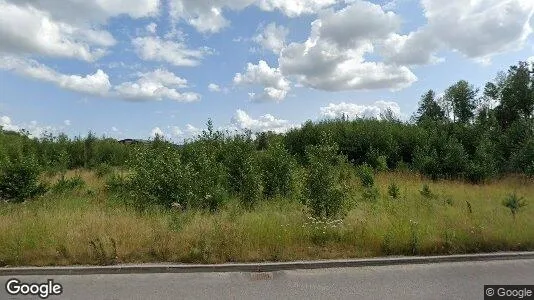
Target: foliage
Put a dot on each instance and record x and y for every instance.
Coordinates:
(325, 194)
(514, 203)
(68, 184)
(19, 181)
(394, 191)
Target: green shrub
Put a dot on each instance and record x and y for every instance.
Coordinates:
(103, 169)
(325, 194)
(19, 181)
(393, 191)
(370, 194)
(366, 174)
(159, 177)
(514, 203)
(243, 170)
(69, 184)
(426, 192)
(279, 172)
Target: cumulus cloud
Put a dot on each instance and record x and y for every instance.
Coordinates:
(272, 38)
(156, 85)
(477, 29)
(67, 28)
(295, 8)
(93, 84)
(212, 87)
(154, 48)
(33, 128)
(353, 110)
(25, 29)
(333, 56)
(67, 122)
(188, 131)
(207, 16)
(276, 86)
(241, 120)
(156, 132)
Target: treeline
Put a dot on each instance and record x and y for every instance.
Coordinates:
(465, 134)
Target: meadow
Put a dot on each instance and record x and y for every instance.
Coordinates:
(456, 178)
(86, 224)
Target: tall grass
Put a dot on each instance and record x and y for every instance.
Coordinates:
(78, 227)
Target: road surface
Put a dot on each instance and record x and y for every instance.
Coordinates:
(464, 280)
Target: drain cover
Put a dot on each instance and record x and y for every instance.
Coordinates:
(261, 276)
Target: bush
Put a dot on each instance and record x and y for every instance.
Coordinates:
(159, 177)
(325, 194)
(19, 181)
(514, 203)
(117, 183)
(278, 172)
(103, 169)
(366, 175)
(426, 192)
(243, 170)
(70, 184)
(393, 191)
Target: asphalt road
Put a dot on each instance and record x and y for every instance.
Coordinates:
(464, 280)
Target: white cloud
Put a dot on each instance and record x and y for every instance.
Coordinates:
(212, 87)
(67, 122)
(189, 131)
(76, 11)
(207, 16)
(151, 28)
(477, 29)
(176, 53)
(272, 38)
(114, 129)
(69, 28)
(241, 120)
(352, 110)
(33, 128)
(7, 124)
(156, 85)
(92, 84)
(25, 29)
(156, 131)
(276, 86)
(295, 8)
(333, 56)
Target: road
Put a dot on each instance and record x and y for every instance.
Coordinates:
(463, 280)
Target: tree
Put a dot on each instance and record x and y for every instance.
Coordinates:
(515, 93)
(462, 98)
(429, 110)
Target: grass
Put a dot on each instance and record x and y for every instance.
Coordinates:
(88, 226)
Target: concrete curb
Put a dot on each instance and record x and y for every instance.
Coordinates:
(260, 267)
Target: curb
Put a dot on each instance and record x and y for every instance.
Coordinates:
(259, 267)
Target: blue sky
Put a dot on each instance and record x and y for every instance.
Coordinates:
(133, 68)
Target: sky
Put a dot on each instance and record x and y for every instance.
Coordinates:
(137, 68)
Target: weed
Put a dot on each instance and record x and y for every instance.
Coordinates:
(393, 191)
(514, 203)
(68, 184)
(426, 192)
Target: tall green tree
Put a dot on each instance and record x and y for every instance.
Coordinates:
(462, 97)
(429, 110)
(515, 94)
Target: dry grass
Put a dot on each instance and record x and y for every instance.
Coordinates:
(83, 227)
